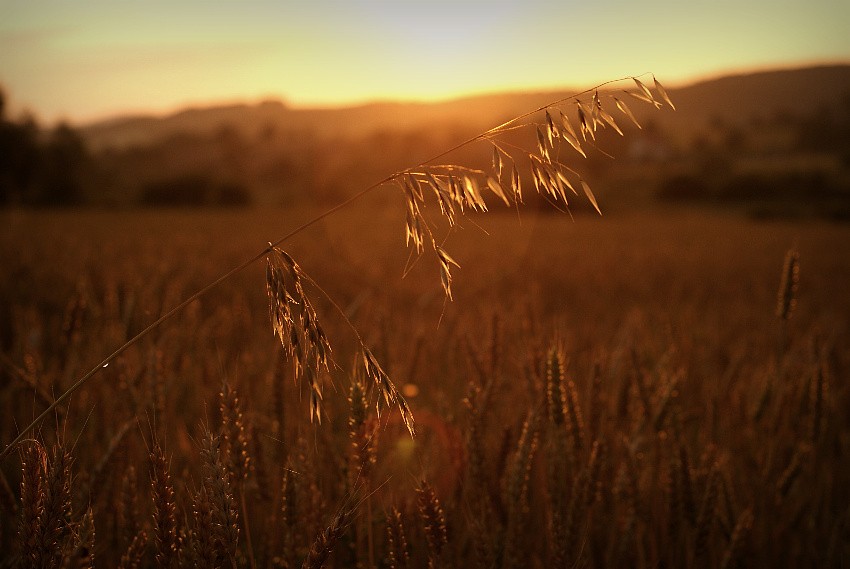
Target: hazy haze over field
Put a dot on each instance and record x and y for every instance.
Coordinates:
(83, 61)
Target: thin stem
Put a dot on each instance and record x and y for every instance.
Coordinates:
(370, 542)
(242, 266)
(118, 351)
(248, 543)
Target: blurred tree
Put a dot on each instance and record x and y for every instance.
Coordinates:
(41, 170)
(683, 187)
(66, 164)
(20, 157)
(193, 190)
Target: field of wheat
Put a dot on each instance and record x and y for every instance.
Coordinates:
(659, 389)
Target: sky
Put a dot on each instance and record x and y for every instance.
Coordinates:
(81, 61)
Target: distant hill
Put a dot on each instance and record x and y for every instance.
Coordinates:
(362, 120)
(730, 99)
(774, 143)
(737, 99)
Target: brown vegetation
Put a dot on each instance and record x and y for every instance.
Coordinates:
(617, 393)
(708, 436)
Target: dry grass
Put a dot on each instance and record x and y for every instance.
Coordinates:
(599, 394)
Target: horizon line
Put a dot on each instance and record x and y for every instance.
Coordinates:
(164, 112)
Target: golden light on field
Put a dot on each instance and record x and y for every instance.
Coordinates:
(398, 335)
(91, 60)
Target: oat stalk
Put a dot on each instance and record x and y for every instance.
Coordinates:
(556, 184)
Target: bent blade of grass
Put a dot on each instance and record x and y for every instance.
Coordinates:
(471, 185)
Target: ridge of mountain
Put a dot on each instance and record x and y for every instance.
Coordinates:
(729, 98)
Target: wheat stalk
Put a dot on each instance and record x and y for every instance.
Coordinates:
(685, 481)
(434, 522)
(235, 445)
(114, 442)
(556, 398)
(516, 487)
(791, 473)
(204, 549)
(54, 525)
(362, 432)
(127, 514)
(328, 537)
(581, 499)
(165, 510)
(287, 511)
(707, 513)
(821, 393)
(398, 556)
(326, 541)
(474, 403)
(219, 503)
(132, 557)
(33, 470)
(82, 554)
(732, 555)
(786, 298)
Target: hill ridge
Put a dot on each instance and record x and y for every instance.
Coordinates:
(725, 95)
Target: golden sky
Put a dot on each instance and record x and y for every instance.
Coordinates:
(85, 60)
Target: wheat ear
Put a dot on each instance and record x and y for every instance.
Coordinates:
(132, 557)
(434, 522)
(398, 556)
(218, 491)
(164, 510)
(516, 488)
(327, 539)
(786, 298)
(235, 441)
(82, 554)
(33, 472)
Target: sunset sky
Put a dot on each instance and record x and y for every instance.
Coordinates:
(88, 60)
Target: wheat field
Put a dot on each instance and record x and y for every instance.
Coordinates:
(488, 388)
(623, 391)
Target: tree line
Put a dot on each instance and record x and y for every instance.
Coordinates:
(41, 168)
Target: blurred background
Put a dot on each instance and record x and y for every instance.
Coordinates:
(260, 104)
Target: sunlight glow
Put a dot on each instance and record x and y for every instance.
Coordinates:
(90, 60)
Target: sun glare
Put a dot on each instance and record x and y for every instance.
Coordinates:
(85, 61)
